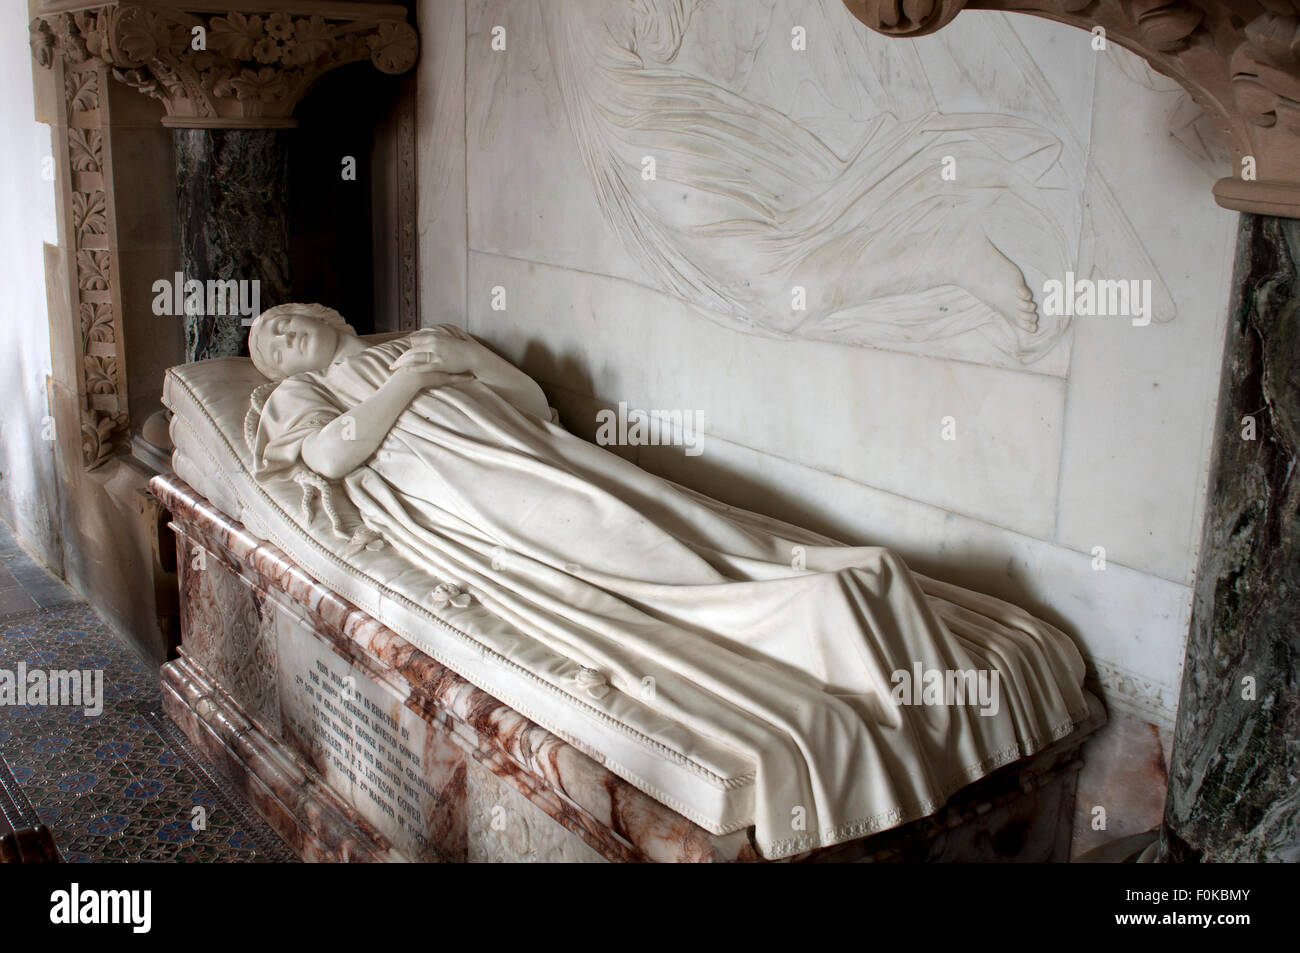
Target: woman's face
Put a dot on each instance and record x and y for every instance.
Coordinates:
(296, 343)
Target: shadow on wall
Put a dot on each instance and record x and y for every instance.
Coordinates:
(737, 487)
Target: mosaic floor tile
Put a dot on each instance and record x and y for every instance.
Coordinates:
(123, 785)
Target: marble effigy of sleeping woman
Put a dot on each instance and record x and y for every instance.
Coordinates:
(450, 455)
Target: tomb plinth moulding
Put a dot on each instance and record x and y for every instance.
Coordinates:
(216, 66)
(1238, 59)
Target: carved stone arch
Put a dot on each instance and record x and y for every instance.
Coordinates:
(1238, 59)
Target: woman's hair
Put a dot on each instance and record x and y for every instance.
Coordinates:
(262, 359)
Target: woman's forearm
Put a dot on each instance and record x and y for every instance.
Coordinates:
(351, 439)
(455, 351)
(511, 383)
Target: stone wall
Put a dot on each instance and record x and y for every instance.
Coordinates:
(28, 495)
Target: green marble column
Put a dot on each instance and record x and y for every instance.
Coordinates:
(232, 196)
(1234, 786)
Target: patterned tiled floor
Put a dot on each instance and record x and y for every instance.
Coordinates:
(121, 786)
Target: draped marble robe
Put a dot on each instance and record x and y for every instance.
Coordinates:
(634, 576)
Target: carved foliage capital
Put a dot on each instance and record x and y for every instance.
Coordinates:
(234, 69)
(1239, 60)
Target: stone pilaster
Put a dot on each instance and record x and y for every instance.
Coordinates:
(232, 185)
(88, 232)
(1233, 794)
(228, 78)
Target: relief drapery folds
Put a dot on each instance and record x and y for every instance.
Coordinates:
(1238, 59)
(846, 222)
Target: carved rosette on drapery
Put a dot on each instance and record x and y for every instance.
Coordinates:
(245, 68)
(233, 70)
(1238, 59)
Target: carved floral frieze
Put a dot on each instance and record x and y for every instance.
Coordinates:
(1239, 60)
(243, 68)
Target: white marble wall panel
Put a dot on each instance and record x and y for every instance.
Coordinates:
(440, 147)
(523, 154)
(547, 133)
(1028, 66)
(1142, 399)
(29, 483)
(872, 416)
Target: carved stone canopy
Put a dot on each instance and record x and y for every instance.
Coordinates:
(227, 64)
(232, 64)
(1239, 60)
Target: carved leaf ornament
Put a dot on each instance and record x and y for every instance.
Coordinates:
(237, 68)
